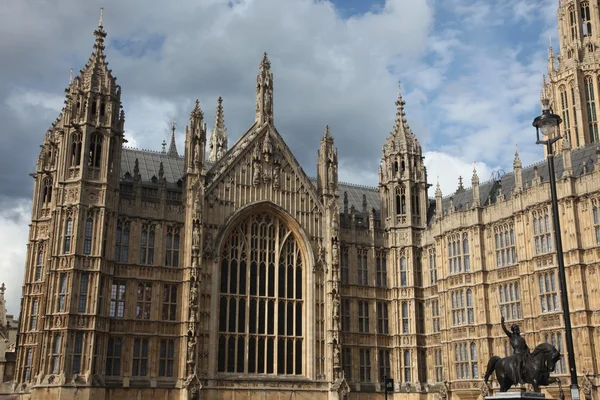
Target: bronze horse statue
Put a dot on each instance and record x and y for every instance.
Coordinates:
(538, 366)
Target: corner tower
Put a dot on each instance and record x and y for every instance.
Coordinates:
(403, 191)
(76, 185)
(573, 81)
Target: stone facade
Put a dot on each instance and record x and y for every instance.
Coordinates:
(8, 341)
(161, 276)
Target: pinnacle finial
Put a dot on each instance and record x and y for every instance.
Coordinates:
(164, 146)
(327, 131)
(172, 146)
(70, 76)
(101, 14)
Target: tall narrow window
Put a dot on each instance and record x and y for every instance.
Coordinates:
(365, 365)
(574, 112)
(363, 317)
(470, 310)
(35, 304)
(347, 363)
(363, 271)
(62, 292)
(47, 192)
(591, 109)
(586, 20)
(564, 104)
(541, 231)
(435, 313)
(144, 301)
(113, 356)
(75, 149)
(39, 265)
(89, 229)
(465, 361)
(261, 303)
(403, 271)
(415, 204)
(382, 318)
(166, 358)
(384, 365)
(172, 256)
(95, 153)
(345, 265)
(117, 299)
(548, 293)
(466, 256)
(405, 320)
(68, 235)
(433, 276)
(573, 23)
(381, 269)
(83, 292)
(596, 220)
(555, 339)
(56, 352)
(147, 245)
(139, 365)
(122, 242)
(458, 307)
(77, 352)
(169, 310)
(473, 360)
(406, 361)
(346, 315)
(27, 367)
(439, 365)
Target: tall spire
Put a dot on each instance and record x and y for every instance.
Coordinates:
(264, 92)
(3, 321)
(218, 137)
(172, 146)
(401, 126)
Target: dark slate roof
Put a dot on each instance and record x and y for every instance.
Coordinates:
(488, 191)
(149, 163)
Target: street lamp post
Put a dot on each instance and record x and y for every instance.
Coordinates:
(547, 124)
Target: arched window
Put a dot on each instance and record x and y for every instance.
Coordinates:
(56, 351)
(261, 304)
(39, 265)
(94, 107)
(102, 109)
(470, 311)
(47, 192)
(95, 153)
(89, 229)
(590, 99)
(407, 365)
(75, 149)
(122, 242)
(172, 256)
(586, 20)
(403, 272)
(574, 113)
(415, 207)
(573, 23)
(147, 245)
(474, 366)
(34, 314)
(68, 235)
(564, 105)
(405, 321)
(466, 257)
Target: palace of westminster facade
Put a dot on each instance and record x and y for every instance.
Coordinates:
(237, 276)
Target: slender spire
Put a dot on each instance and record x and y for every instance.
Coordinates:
(401, 123)
(438, 189)
(218, 137)
(517, 160)
(3, 321)
(172, 146)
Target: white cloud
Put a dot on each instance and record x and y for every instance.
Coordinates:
(446, 169)
(14, 220)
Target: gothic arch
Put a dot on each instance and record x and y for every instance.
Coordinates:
(264, 295)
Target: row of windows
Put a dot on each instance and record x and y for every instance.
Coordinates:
(94, 153)
(147, 243)
(140, 357)
(365, 370)
(362, 262)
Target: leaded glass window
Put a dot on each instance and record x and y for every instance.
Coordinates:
(261, 304)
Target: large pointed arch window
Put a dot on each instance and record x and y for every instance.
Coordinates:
(591, 108)
(75, 149)
(261, 302)
(586, 20)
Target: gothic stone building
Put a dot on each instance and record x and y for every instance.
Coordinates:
(237, 276)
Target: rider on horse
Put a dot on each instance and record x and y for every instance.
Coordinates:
(520, 349)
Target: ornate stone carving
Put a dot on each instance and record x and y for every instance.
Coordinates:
(208, 251)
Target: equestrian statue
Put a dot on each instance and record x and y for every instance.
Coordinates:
(523, 366)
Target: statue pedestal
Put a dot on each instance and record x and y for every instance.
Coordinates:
(516, 395)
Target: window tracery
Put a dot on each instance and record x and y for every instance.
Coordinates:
(261, 305)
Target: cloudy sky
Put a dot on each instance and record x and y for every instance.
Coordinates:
(471, 73)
